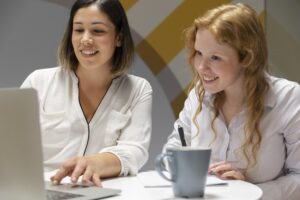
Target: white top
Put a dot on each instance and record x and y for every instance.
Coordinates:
(121, 124)
(278, 161)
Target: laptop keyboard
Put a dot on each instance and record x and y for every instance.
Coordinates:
(57, 195)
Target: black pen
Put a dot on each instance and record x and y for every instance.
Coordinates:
(181, 135)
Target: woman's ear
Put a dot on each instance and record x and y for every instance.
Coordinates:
(246, 58)
(119, 40)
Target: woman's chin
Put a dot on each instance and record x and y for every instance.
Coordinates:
(212, 90)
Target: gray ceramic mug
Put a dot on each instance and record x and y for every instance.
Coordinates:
(188, 169)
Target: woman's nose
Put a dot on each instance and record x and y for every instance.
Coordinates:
(201, 64)
(86, 39)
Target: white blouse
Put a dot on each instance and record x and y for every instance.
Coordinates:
(278, 160)
(121, 124)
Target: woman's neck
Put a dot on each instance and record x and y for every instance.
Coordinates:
(233, 104)
(94, 78)
(93, 85)
(235, 98)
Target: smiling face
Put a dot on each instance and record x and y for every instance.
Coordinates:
(94, 38)
(217, 64)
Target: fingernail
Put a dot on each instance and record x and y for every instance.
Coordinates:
(214, 173)
(55, 182)
(73, 179)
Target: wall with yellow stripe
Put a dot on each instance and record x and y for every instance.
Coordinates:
(158, 26)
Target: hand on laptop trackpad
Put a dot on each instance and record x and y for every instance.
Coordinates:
(66, 180)
(66, 186)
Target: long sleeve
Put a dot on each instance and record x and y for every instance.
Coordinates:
(288, 186)
(133, 143)
(184, 120)
(285, 187)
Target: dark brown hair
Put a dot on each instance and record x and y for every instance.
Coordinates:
(123, 55)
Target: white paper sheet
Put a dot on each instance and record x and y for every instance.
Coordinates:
(153, 179)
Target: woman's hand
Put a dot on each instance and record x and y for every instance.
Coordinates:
(91, 168)
(225, 170)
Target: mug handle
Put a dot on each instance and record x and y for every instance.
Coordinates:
(160, 166)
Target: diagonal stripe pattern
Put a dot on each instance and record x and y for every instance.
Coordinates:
(157, 28)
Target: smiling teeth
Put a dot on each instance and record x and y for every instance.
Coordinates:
(210, 78)
(88, 52)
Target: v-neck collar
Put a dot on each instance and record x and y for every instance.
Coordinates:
(101, 108)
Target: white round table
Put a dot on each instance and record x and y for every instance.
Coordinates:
(133, 189)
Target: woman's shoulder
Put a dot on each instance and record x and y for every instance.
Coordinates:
(134, 82)
(284, 90)
(282, 85)
(129, 88)
(40, 78)
(135, 79)
(45, 73)
(46, 70)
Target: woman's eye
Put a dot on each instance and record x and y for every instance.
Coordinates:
(78, 30)
(198, 53)
(99, 31)
(215, 58)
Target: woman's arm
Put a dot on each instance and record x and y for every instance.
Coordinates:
(130, 152)
(92, 168)
(285, 187)
(132, 145)
(288, 186)
(184, 121)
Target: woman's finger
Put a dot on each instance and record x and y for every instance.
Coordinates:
(64, 171)
(87, 176)
(234, 174)
(79, 169)
(213, 165)
(222, 168)
(97, 180)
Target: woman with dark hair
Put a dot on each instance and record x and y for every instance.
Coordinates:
(250, 119)
(95, 118)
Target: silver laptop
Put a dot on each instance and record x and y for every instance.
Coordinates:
(21, 165)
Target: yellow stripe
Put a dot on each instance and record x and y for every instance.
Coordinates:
(178, 102)
(127, 4)
(167, 39)
(262, 18)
